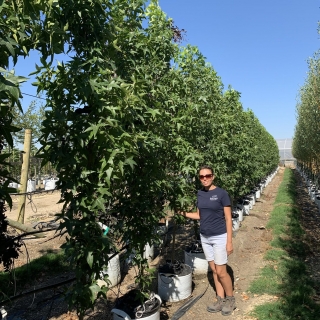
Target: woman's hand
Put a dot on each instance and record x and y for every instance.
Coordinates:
(229, 248)
(191, 215)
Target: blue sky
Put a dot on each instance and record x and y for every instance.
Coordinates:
(260, 48)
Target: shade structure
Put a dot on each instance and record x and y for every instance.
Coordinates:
(285, 149)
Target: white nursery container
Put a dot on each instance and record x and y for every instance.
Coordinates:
(240, 213)
(31, 185)
(148, 252)
(197, 261)
(49, 184)
(246, 207)
(251, 201)
(235, 224)
(113, 272)
(254, 198)
(172, 287)
(13, 185)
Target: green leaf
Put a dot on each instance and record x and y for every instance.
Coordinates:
(99, 203)
(94, 289)
(130, 162)
(109, 173)
(10, 48)
(90, 259)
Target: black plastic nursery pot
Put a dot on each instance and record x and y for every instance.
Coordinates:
(174, 281)
(128, 307)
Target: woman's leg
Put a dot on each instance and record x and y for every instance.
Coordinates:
(224, 279)
(219, 286)
(214, 249)
(229, 303)
(219, 303)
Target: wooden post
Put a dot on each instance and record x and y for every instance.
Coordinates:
(24, 174)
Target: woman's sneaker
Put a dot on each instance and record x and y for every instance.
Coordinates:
(216, 306)
(228, 306)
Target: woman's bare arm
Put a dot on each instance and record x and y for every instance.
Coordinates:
(228, 217)
(191, 215)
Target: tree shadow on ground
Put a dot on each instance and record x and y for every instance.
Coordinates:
(211, 281)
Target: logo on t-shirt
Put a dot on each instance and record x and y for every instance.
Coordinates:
(214, 197)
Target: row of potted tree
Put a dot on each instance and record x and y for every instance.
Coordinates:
(130, 116)
(306, 142)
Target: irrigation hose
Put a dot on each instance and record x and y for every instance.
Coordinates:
(182, 310)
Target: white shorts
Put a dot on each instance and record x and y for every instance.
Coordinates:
(215, 248)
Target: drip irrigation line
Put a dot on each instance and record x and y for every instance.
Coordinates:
(38, 290)
(52, 285)
(182, 310)
(32, 192)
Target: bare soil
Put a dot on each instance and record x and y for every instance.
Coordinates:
(250, 244)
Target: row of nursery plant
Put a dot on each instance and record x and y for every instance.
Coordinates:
(130, 117)
(306, 142)
(312, 185)
(246, 203)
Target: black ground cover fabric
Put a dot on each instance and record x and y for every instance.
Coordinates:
(175, 268)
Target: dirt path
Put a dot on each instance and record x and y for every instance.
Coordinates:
(40, 207)
(250, 244)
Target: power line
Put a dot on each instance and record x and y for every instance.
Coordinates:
(27, 94)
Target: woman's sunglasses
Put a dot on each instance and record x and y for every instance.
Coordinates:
(207, 176)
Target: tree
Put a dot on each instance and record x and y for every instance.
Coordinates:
(306, 142)
(32, 119)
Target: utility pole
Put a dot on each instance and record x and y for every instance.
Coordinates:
(24, 174)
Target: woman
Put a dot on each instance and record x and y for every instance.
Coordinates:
(214, 213)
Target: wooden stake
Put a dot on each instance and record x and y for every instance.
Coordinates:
(24, 174)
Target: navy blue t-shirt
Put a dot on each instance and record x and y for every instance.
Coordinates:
(210, 204)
